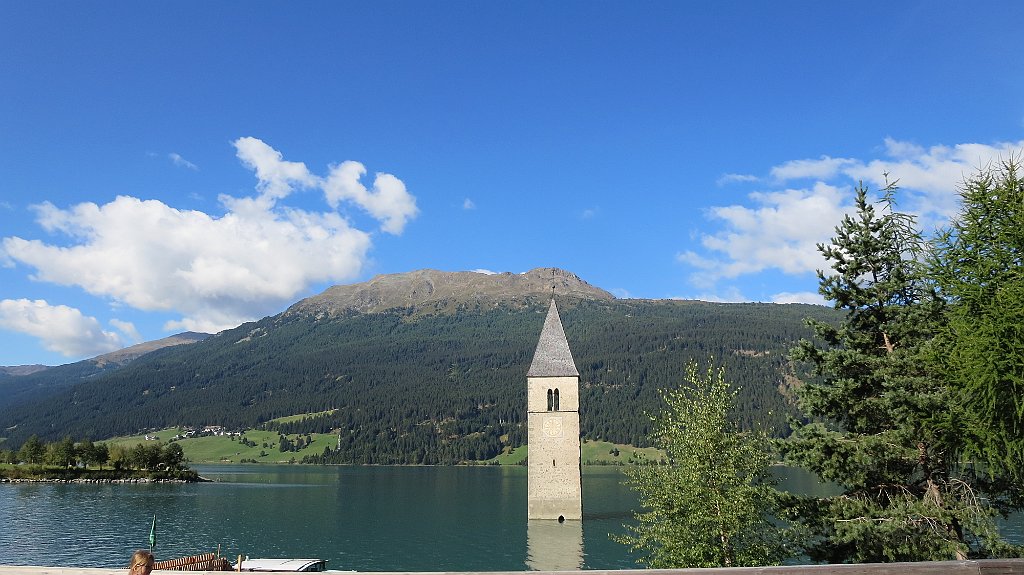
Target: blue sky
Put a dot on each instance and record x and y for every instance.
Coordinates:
(193, 165)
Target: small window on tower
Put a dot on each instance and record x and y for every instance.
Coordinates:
(556, 400)
(551, 400)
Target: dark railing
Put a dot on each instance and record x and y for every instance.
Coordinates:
(979, 567)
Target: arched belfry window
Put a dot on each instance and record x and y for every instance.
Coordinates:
(556, 400)
(551, 400)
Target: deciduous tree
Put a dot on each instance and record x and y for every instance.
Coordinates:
(711, 506)
(32, 451)
(62, 453)
(978, 265)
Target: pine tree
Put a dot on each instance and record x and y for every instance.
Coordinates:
(877, 415)
(710, 507)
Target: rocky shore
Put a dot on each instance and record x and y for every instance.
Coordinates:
(97, 480)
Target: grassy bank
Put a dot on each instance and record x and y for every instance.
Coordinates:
(257, 446)
(252, 446)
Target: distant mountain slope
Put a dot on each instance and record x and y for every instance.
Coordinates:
(435, 372)
(27, 383)
(16, 370)
(126, 355)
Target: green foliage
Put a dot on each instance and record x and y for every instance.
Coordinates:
(978, 265)
(606, 453)
(62, 453)
(712, 506)
(67, 460)
(385, 384)
(32, 451)
(879, 416)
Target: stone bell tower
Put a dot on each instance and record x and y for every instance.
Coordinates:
(553, 416)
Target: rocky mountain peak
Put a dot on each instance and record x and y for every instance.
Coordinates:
(437, 291)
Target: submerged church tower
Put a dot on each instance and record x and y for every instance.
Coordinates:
(553, 417)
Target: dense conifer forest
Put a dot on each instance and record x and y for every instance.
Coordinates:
(406, 387)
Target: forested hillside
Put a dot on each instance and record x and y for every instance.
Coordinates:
(22, 384)
(431, 388)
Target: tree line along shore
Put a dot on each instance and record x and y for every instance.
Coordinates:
(88, 461)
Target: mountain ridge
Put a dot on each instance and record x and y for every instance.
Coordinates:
(448, 291)
(427, 367)
(433, 291)
(127, 354)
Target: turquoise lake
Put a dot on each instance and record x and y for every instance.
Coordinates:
(359, 518)
(362, 518)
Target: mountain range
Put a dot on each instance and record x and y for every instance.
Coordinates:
(420, 367)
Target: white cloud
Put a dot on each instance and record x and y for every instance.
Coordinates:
(799, 297)
(588, 213)
(727, 179)
(621, 293)
(821, 169)
(276, 176)
(780, 229)
(468, 204)
(128, 329)
(929, 177)
(216, 271)
(731, 294)
(62, 329)
(389, 202)
(485, 272)
(181, 162)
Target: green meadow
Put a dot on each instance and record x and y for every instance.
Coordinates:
(261, 446)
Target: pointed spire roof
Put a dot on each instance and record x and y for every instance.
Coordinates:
(552, 358)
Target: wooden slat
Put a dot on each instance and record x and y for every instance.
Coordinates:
(204, 562)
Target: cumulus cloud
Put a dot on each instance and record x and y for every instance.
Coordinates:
(929, 177)
(216, 271)
(62, 329)
(388, 201)
(780, 229)
(468, 204)
(276, 176)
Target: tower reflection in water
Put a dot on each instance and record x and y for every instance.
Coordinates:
(554, 546)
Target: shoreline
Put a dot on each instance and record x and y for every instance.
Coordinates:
(99, 480)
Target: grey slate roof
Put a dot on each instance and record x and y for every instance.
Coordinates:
(552, 358)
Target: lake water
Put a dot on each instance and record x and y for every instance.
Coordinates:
(360, 518)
